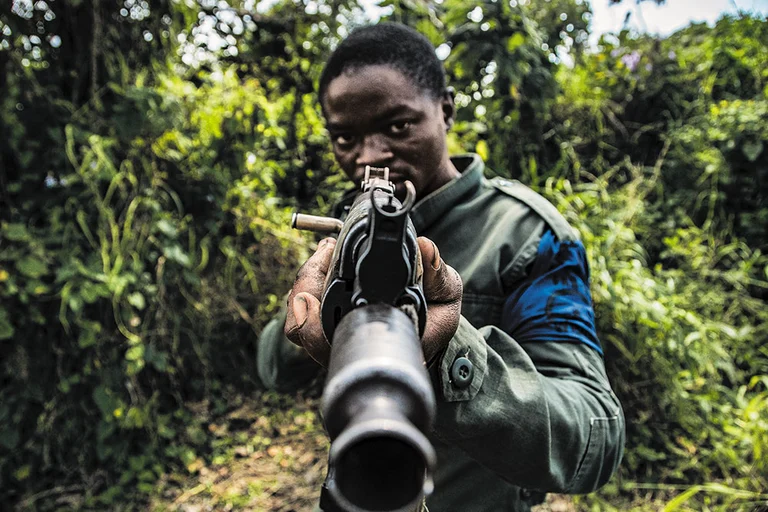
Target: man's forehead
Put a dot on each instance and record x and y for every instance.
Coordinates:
(345, 117)
(383, 77)
(380, 88)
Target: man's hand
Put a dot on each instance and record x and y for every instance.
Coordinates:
(442, 289)
(302, 324)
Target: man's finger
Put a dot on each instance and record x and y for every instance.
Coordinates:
(442, 323)
(442, 289)
(442, 284)
(311, 275)
(310, 278)
(308, 329)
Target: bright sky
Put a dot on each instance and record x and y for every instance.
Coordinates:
(668, 17)
(648, 16)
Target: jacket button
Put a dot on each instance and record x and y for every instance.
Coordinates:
(462, 371)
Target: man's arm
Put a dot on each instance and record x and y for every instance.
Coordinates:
(538, 409)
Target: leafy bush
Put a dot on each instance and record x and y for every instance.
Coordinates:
(135, 275)
(697, 99)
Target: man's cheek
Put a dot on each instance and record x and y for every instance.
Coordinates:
(346, 163)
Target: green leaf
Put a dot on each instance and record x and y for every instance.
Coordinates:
(752, 150)
(91, 292)
(23, 472)
(136, 300)
(75, 303)
(86, 339)
(650, 454)
(177, 254)
(681, 498)
(167, 228)
(145, 487)
(481, 148)
(104, 401)
(31, 267)
(187, 456)
(16, 232)
(514, 42)
(35, 287)
(166, 432)
(135, 353)
(430, 31)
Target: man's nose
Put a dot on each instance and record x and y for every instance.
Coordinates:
(375, 151)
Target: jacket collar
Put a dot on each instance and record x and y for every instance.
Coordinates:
(435, 205)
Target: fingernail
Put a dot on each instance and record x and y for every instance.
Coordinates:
(323, 243)
(300, 309)
(436, 261)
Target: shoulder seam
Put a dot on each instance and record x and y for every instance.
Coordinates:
(536, 202)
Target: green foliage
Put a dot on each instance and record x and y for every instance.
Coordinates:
(698, 100)
(498, 67)
(141, 281)
(142, 248)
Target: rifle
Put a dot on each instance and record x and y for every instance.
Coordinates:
(378, 401)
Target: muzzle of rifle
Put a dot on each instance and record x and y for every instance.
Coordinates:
(377, 405)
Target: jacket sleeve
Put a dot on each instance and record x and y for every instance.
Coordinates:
(281, 365)
(538, 410)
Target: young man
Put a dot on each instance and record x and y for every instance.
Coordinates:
(508, 293)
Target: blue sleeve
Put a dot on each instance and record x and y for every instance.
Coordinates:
(554, 303)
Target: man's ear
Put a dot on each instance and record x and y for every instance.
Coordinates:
(448, 106)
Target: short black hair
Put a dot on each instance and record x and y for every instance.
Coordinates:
(391, 44)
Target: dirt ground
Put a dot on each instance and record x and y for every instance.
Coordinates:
(268, 455)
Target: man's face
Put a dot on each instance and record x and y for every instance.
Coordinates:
(377, 116)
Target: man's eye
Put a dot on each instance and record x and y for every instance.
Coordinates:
(344, 139)
(399, 127)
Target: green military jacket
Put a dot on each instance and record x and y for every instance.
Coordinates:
(514, 419)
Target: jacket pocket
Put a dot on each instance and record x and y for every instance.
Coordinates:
(591, 474)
